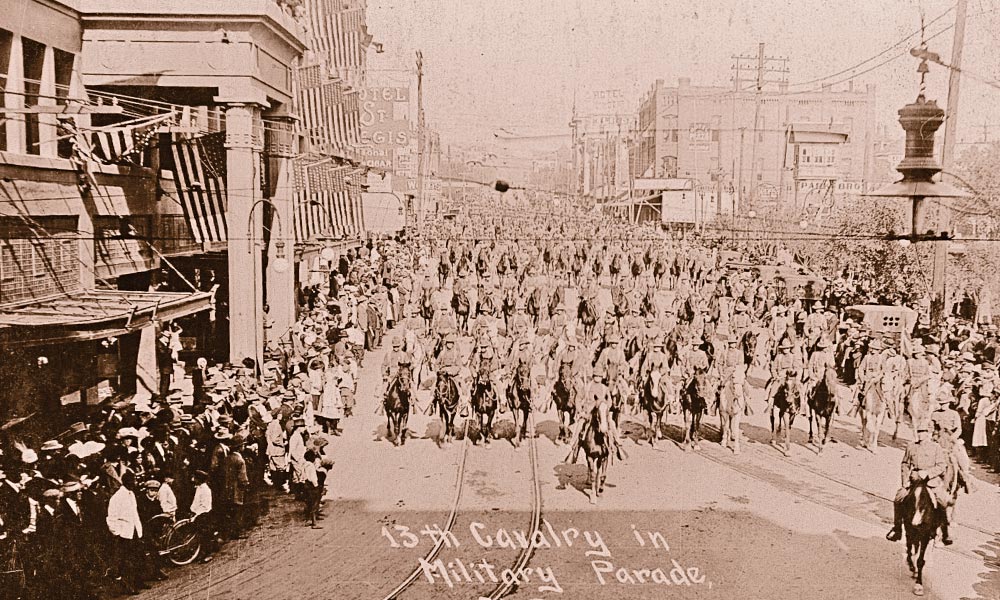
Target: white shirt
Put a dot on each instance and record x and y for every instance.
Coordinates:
(168, 501)
(123, 515)
(202, 502)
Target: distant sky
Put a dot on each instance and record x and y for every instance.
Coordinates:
(516, 64)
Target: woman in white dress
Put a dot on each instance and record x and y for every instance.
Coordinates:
(331, 404)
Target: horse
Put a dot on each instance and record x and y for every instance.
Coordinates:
(596, 446)
(618, 393)
(872, 411)
(534, 305)
(822, 403)
(508, 306)
(444, 269)
(587, 314)
(921, 520)
(615, 268)
(558, 295)
(648, 305)
(486, 305)
(519, 397)
(731, 404)
(621, 304)
(484, 405)
(461, 305)
(694, 402)
(397, 406)
(653, 400)
(659, 270)
(564, 395)
(637, 268)
(577, 270)
(787, 399)
(446, 398)
(482, 265)
(598, 266)
(427, 308)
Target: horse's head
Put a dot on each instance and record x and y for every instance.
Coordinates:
(599, 418)
(923, 503)
(522, 374)
(405, 377)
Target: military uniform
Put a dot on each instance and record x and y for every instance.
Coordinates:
(485, 366)
(612, 363)
(787, 365)
(450, 362)
(923, 460)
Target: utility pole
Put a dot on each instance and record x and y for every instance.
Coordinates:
(762, 65)
(420, 140)
(939, 309)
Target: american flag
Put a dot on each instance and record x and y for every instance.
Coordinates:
(113, 145)
(200, 177)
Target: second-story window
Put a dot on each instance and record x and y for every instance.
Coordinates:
(34, 62)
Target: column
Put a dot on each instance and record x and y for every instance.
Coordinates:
(243, 216)
(281, 281)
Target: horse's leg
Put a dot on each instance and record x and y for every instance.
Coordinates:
(724, 429)
(734, 427)
(909, 557)
(826, 430)
(772, 426)
(402, 426)
(696, 429)
(918, 587)
(812, 415)
(388, 427)
(786, 425)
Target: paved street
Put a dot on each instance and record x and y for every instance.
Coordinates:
(758, 525)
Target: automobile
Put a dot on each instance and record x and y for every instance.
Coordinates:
(883, 319)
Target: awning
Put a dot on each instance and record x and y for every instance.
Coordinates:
(93, 315)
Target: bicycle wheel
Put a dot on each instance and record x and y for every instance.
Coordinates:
(183, 544)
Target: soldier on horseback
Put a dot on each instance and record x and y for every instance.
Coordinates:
(786, 367)
(947, 429)
(449, 362)
(594, 394)
(391, 364)
(820, 360)
(612, 363)
(924, 461)
(486, 368)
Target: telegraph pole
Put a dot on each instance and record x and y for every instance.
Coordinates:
(420, 140)
(939, 309)
(762, 65)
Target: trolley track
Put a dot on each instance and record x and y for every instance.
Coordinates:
(504, 586)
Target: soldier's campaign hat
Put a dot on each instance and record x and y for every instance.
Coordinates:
(613, 339)
(598, 373)
(923, 426)
(524, 342)
(560, 308)
(875, 344)
(397, 342)
(823, 343)
(658, 343)
(786, 344)
(967, 357)
(451, 338)
(152, 484)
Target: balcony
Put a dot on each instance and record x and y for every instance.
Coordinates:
(236, 48)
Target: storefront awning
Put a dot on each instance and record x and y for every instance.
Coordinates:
(93, 315)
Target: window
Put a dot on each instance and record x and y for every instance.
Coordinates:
(34, 61)
(39, 259)
(715, 135)
(6, 38)
(67, 256)
(64, 76)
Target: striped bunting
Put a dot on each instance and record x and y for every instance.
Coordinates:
(200, 177)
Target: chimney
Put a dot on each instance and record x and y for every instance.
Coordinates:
(850, 85)
(683, 82)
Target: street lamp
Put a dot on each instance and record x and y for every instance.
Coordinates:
(280, 264)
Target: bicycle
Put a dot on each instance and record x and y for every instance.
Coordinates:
(178, 541)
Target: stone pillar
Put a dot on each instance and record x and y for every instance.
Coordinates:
(244, 216)
(280, 150)
(14, 97)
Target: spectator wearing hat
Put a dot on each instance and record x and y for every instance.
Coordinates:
(313, 488)
(201, 509)
(148, 507)
(235, 487)
(126, 528)
(296, 453)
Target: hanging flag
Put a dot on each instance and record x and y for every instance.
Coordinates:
(125, 143)
(200, 177)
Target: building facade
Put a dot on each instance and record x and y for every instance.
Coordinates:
(794, 150)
